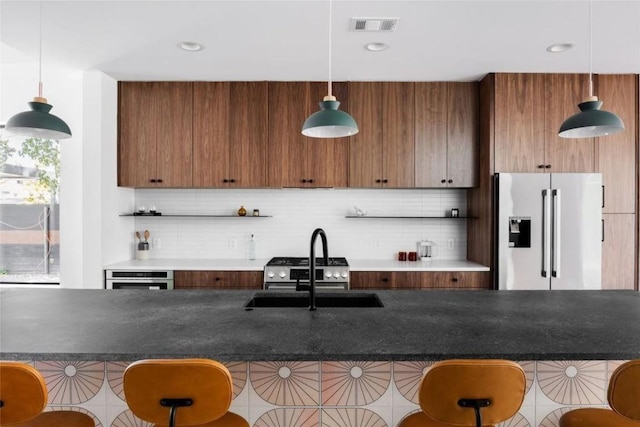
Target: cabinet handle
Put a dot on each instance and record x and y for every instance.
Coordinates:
(540, 166)
(159, 180)
(602, 230)
(217, 279)
(385, 279)
(378, 181)
(232, 180)
(310, 180)
(304, 180)
(153, 180)
(225, 180)
(547, 166)
(603, 196)
(443, 181)
(450, 181)
(384, 181)
(454, 279)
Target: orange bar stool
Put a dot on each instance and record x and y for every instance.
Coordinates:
(23, 397)
(623, 393)
(624, 390)
(23, 393)
(469, 393)
(181, 392)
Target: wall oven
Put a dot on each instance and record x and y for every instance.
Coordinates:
(137, 279)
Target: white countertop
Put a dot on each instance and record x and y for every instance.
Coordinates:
(258, 265)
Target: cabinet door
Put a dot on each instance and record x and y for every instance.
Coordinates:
(288, 109)
(371, 280)
(616, 154)
(431, 115)
(365, 147)
(398, 135)
(618, 251)
(327, 158)
(137, 110)
(519, 123)
(217, 280)
(174, 138)
(408, 280)
(248, 134)
(563, 93)
(462, 134)
(211, 134)
(461, 280)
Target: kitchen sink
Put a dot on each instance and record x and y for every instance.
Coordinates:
(323, 299)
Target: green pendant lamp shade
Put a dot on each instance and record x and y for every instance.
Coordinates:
(591, 121)
(329, 122)
(38, 123)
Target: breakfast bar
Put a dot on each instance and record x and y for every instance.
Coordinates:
(288, 363)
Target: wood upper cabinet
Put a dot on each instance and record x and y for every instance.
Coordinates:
(616, 154)
(382, 153)
(529, 110)
(230, 134)
(519, 122)
(217, 279)
(295, 160)
(155, 134)
(446, 134)
(563, 93)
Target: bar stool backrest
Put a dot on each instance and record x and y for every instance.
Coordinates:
(205, 382)
(23, 392)
(500, 383)
(624, 390)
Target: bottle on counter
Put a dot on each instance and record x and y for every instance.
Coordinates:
(252, 248)
(242, 211)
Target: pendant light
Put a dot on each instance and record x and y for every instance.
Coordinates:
(329, 122)
(591, 121)
(38, 122)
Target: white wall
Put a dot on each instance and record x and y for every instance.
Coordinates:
(294, 215)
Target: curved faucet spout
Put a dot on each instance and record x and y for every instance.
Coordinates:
(312, 263)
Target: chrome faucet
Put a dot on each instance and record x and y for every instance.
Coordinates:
(311, 287)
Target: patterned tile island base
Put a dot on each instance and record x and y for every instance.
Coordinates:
(328, 394)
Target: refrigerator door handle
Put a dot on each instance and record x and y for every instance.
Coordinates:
(556, 234)
(546, 238)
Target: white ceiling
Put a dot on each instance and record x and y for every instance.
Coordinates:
(289, 40)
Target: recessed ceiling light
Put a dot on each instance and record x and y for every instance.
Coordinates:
(560, 47)
(376, 47)
(191, 46)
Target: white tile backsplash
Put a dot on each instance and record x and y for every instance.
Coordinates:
(294, 214)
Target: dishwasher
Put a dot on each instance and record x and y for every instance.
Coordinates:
(138, 279)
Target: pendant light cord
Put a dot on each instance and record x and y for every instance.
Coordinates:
(590, 49)
(330, 14)
(40, 49)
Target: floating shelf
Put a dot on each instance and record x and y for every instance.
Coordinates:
(408, 217)
(195, 216)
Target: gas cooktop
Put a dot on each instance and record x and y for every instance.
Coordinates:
(304, 262)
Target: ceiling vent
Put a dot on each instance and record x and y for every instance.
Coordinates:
(373, 24)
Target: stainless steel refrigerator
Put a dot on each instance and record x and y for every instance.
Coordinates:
(549, 231)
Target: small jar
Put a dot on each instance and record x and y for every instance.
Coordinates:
(242, 211)
(256, 212)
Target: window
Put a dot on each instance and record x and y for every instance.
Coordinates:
(29, 211)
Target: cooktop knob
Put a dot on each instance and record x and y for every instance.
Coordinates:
(327, 274)
(271, 274)
(344, 274)
(336, 274)
(282, 274)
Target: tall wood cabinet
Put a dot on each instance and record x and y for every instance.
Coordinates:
(446, 134)
(616, 160)
(521, 110)
(381, 154)
(230, 134)
(528, 111)
(295, 160)
(155, 134)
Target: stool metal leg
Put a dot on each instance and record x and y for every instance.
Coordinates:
(173, 405)
(476, 404)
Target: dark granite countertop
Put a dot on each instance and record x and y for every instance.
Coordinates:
(414, 325)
